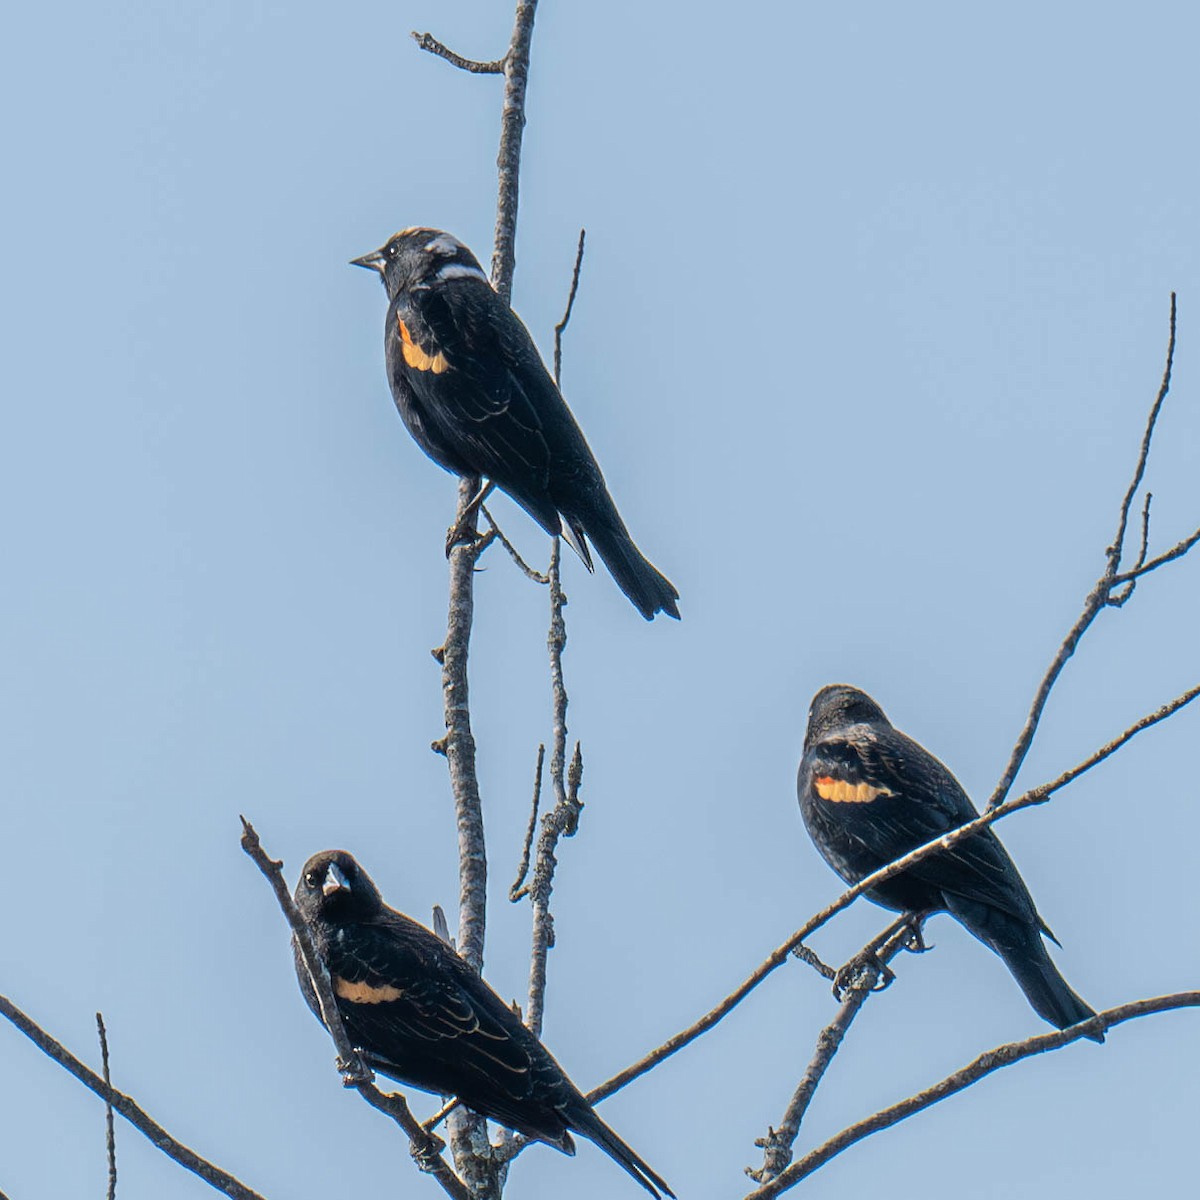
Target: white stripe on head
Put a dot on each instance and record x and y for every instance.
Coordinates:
(444, 244)
(453, 270)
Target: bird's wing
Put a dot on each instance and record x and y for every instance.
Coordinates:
(409, 999)
(903, 797)
(479, 380)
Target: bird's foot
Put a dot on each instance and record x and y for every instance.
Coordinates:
(463, 531)
(865, 971)
(916, 943)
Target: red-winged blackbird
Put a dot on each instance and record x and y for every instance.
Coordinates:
(869, 795)
(420, 1014)
(476, 397)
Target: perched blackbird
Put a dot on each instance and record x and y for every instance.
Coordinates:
(420, 1014)
(476, 397)
(869, 795)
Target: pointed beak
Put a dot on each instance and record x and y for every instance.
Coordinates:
(335, 881)
(373, 261)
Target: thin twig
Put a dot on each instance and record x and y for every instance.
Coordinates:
(110, 1133)
(425, 1147)
(1176, 551)
(1098, 597)
(508, 160)
(1117, 549)
(561, 327)
(807, 955)
(780, 954)
(519, 888)
(127, 1107)
(563, 819)
(981, 1067)
(1118, 596)
(428, 42)
(513, 553)
(777, 1145)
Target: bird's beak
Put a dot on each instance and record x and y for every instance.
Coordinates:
(373, 261)
(335, 881)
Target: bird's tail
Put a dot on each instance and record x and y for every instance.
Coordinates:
(1019, 943)
(649, 589)
(595, 1130)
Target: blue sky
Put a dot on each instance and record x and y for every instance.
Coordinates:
(873, 308)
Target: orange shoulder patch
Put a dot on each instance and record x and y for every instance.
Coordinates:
(416, 357)
(839, 791)
(365, 993)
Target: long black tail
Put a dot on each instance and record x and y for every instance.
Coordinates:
(1020, 944)
(587, 1123)
(649, 589)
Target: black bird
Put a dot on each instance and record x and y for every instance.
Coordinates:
(477, 398)
(869, 795)
(419, 1013)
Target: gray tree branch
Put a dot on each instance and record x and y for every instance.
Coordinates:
(127, 1107)
(110, 1133)
(428, 42)
(973, 1072)
(777, 1145)
(508, 160)
(1102, 595)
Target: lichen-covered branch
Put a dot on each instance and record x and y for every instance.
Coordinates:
(563, 819)
(508, 160)
(428, 42)
(459, 743)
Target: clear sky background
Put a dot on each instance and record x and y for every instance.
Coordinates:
(874, 305)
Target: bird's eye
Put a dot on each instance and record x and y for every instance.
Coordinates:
(311, 878)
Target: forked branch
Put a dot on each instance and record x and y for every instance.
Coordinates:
(973, 1072)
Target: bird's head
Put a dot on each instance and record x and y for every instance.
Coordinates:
(335, 888)
(420, 258)
(838, 705)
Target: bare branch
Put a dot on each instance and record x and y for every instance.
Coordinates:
(513, 553)
(981, 1067)
(807, 955)
(459, 743)
(561, 327)
(428, 42)
(110, 1133)
(519, 888)
(1100, 595)
(1176, 551)
(508, 160)
(779, 956)
(777, 1145)
(1117, 549)
(127, 1107)
(563, 819)
(425, 1147)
